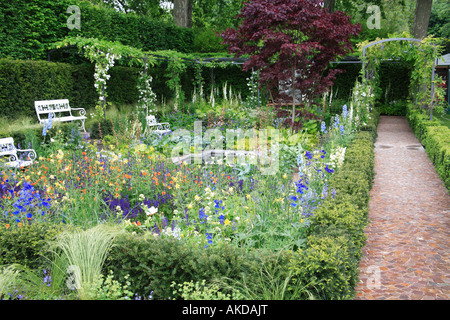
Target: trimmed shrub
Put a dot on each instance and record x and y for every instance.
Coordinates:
(153, 264)
(436, 140)
(46, 23)
(27, 245)
(330, 260)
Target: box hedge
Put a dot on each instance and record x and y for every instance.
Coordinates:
(330, 260)
(436, 140)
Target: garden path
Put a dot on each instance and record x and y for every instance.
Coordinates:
(407, 252)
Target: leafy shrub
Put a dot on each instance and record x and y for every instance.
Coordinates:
(329, 261)
(29, 38)
(27, 245)
(436, 140)
(154, 264)
(437, 146)
(327, 264)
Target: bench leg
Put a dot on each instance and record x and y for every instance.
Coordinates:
(82, 125)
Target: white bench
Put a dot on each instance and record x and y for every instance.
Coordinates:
(154, 127)
(9, 154)
(61, 111)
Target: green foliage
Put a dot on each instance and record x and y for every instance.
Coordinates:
(206, 40)
(436, 140)
(30, 38)
(202, 291)
(329, 261)
(27, 245)
(106, 288)
(153, 264)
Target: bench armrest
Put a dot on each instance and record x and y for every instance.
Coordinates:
(82, 111)
(31, 153)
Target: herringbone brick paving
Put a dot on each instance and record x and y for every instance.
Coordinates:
(407, 252)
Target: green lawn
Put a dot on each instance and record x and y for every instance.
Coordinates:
(445, 120)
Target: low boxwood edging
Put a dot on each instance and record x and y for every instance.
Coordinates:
(436, 140)
(329, 263)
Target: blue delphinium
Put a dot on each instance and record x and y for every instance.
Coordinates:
(323, 127)
(202, 215)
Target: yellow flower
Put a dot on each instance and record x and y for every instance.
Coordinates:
(248, 197)
(226, 222)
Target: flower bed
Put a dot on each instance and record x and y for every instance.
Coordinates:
(192, 222)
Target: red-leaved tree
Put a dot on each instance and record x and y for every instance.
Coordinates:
(292, 42)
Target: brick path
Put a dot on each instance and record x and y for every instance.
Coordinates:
(407, 253)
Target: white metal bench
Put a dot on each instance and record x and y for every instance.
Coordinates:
(9, 154)
(154, 127)
(61, 111)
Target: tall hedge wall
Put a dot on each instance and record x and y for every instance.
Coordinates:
(24, 81)
(28, 26)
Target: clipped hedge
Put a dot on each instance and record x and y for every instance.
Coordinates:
(27, 27)
(27, 245)
(330, 260)
(24, 81)
(153, 264)
(436, 140)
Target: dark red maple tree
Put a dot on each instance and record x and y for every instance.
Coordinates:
(292, 42)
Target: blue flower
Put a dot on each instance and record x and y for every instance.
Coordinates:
(50, 120)
(344, 111)
(44, 129)
(308, 155)
(342, 129)
(202, 215)
(323, 127)
(209, 238)
(293, 198)
(299, 160)
(328, 169)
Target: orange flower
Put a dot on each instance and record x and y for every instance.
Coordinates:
(138, 223)
(19, 224)
(7, 225)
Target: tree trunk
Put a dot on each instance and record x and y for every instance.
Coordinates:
(422, 17)
(329, 4)
(182, 13)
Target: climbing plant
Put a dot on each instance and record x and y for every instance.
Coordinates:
(104, 54)
(421, 54)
